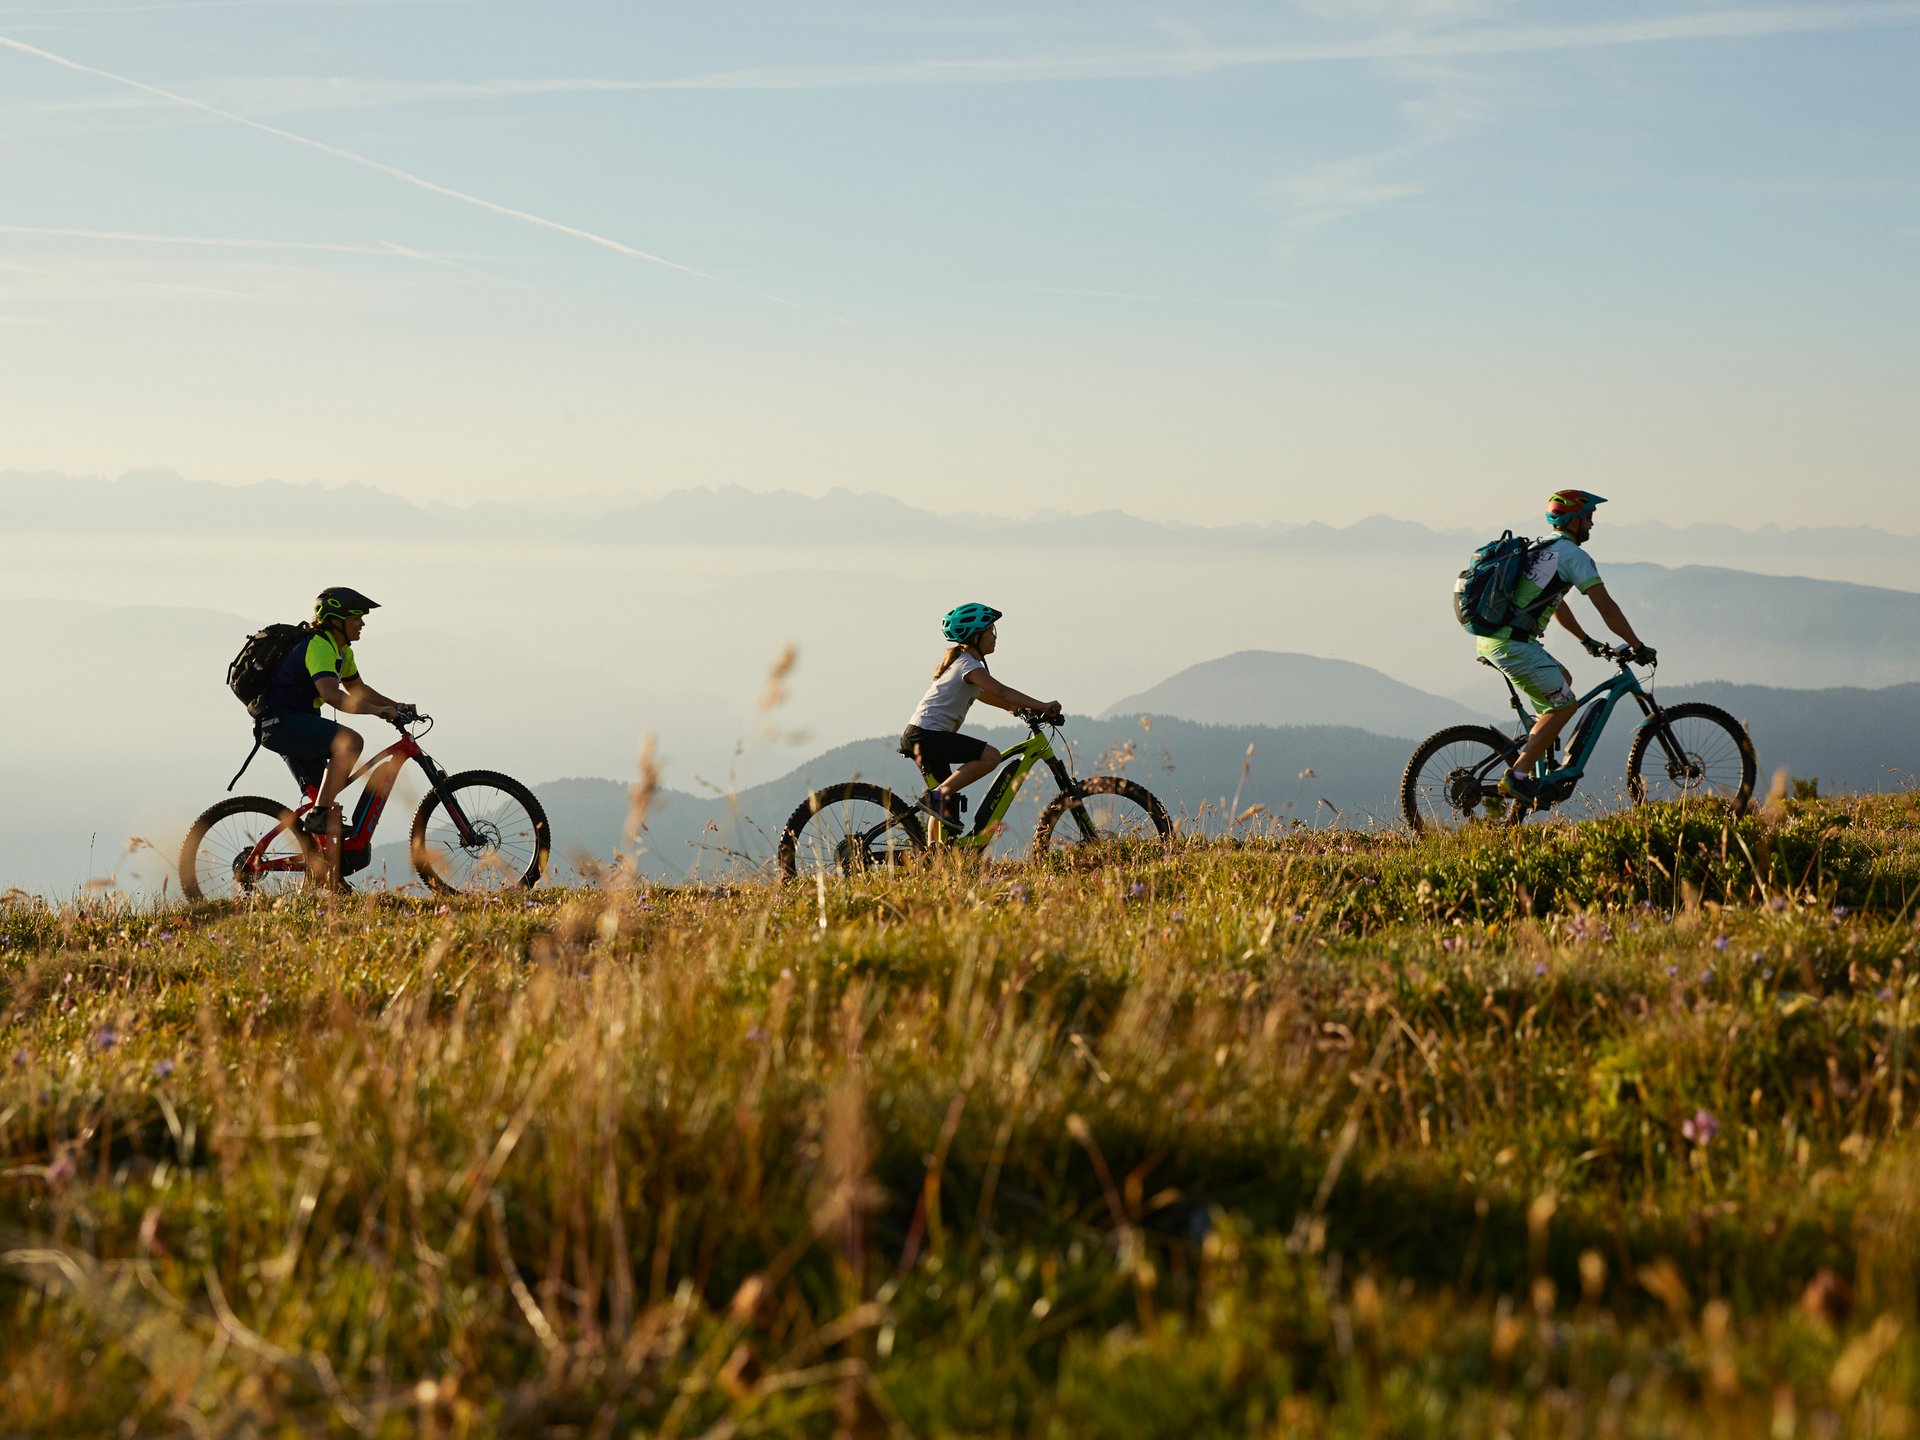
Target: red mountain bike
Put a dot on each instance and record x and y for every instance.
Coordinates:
(476, 832)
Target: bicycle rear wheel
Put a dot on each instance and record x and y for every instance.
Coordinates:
(1449, 781)
(505, 847)
(1715, 759)
(244, 846)
(1111, 814)
(849, 829)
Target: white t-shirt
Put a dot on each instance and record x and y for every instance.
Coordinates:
(948, 699)
(1559, 566)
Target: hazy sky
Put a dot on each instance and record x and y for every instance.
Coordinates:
(1279, 261)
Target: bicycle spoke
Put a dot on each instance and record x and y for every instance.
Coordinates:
(245, 851)
(1111, 815)
(1452, 786)
(848, 836)
(500, 846)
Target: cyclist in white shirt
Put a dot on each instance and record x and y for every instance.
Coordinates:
(932, 738)
(1557, 566)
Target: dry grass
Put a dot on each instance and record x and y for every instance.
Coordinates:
(1599, 1132)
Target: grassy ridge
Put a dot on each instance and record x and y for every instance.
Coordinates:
(1581, 1131)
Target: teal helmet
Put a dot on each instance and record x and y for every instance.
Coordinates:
(965, 622)
(338, 602)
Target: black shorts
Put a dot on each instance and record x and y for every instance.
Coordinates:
(303, 739)
(940, 750)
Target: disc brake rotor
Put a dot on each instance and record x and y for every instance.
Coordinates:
(1688, 771)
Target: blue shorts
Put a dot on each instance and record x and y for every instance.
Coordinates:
(303, 739)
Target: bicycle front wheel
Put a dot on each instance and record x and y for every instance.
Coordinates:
(1110, 814)
(849, 829)
(1449, 781)
(503, 845)
(1711, 758)
(244, 846)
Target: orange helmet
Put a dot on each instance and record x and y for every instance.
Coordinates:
(1565, 505)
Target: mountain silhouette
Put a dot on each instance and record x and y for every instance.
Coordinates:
(1278, 688)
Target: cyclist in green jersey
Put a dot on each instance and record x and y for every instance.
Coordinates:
(321, 670)
(1556, 567)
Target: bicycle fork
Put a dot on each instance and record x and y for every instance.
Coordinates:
(1069, 786)
(437, 779)
(1677, 759)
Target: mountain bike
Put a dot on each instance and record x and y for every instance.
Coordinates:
(855, 827)
(475, 832)
(1680, 752)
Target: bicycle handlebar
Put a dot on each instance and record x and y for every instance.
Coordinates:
(1041, 717)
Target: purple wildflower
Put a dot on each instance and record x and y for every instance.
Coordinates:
(106, 1037)
(1720, 942)
(1701, 1128)
(162, 1069)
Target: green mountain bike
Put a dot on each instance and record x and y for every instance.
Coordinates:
(854, 827)
(1680, 752)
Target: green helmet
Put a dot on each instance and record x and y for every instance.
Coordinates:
(338, 602)
(964, 622)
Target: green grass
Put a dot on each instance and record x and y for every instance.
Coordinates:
(1582, 1131)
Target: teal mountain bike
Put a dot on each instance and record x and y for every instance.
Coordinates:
(1680, 752)
(854, 827)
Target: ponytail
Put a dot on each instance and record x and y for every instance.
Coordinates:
(954, 652)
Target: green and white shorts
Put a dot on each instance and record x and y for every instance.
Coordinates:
(1543, 682)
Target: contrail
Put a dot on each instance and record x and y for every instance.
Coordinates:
(393, 171)
(386, 250)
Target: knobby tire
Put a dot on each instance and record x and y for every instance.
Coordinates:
(1733, 765)
(222, 881)
(1060, 811)
(1509, 812)
(795, 839)
(514, 848)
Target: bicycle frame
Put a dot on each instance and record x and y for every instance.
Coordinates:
(380, 772)
(1018, 762)
(1588, 727)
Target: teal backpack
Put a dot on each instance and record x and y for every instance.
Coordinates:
(1483, 595)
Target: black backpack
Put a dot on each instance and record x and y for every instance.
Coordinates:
(1483, 595)
(252, 669)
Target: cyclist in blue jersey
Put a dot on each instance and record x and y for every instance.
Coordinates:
(321, 670)
(1556, 567)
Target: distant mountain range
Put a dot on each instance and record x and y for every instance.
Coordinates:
(160, 501)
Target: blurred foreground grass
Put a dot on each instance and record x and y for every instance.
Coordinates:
(1584, 1131)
